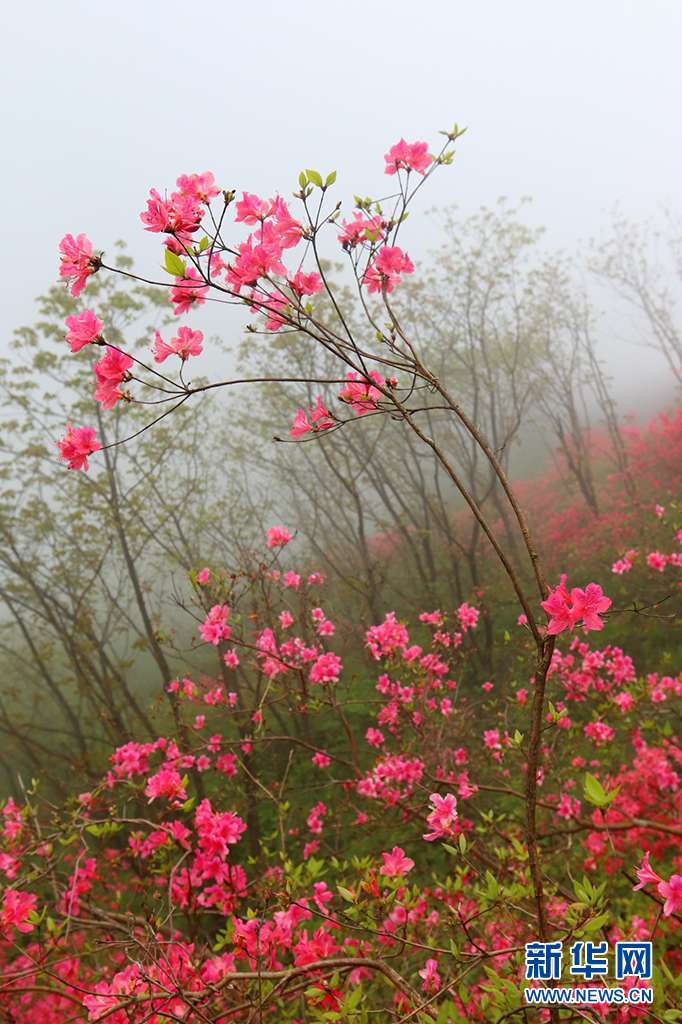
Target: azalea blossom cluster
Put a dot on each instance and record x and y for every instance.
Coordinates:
(568, 608)
(251, 271)
(417, 783)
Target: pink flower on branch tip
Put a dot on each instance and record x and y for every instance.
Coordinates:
(326, 668)
(111, 370)
(408, 156)
(186, 343)
(599, 732)
(468, 617)
(77, 261)
(360, 392)
(395, 863)
(215, 628)
(15, 910)
(78, 444)
(671, 891)
(443, 816)
(188, 291)
(317, 418)
(251, 209)
(360, 229)
(256, 259)
(201, 187)
(431, 978)
(624, 564)
(278, 536)
(203, 576)
(657, 560)
(179, 215)
(83, 329)
(282, 229)
(568, 608)
(306, 284)
(387, 268)
(646, 874)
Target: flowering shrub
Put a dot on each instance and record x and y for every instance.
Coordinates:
(312, 840)
(391, 871)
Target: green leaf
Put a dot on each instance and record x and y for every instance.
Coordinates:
(315, 177)
(352, 999)
(596, 923)
(331, 178)
(594, 791)
(303, 179)
(174, 265)
(346, 893)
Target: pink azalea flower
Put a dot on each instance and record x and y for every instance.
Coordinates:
(166, 783)
(179, 215)
(15, 910)
(656, 560)
(111, 370)
(274, 306)
(77, 261)
(201, 187)
(360, 229)
(599, 732)
(671, 891)
(256, 259)
(646, 874)
(188, 291)
(320, 419)
(185, 344)
(566, 609)
(395, 863)
(442, 818)
(84, 329)
(386, 270)
(432, 980)
(374, 737)
(251, 209)
(77, 445)
(278, 537)
(360, 394)
(326, 669)
(589, 604)
(306, 284)
(408, 156)
(624, 700)
(468, 616)
(491, 739)
(203, 575)
(215, 628)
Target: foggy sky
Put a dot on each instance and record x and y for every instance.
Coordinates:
(575, 104)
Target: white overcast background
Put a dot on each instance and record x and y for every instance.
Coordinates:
(576, 104)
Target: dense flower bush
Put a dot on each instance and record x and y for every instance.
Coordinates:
(392, 870)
